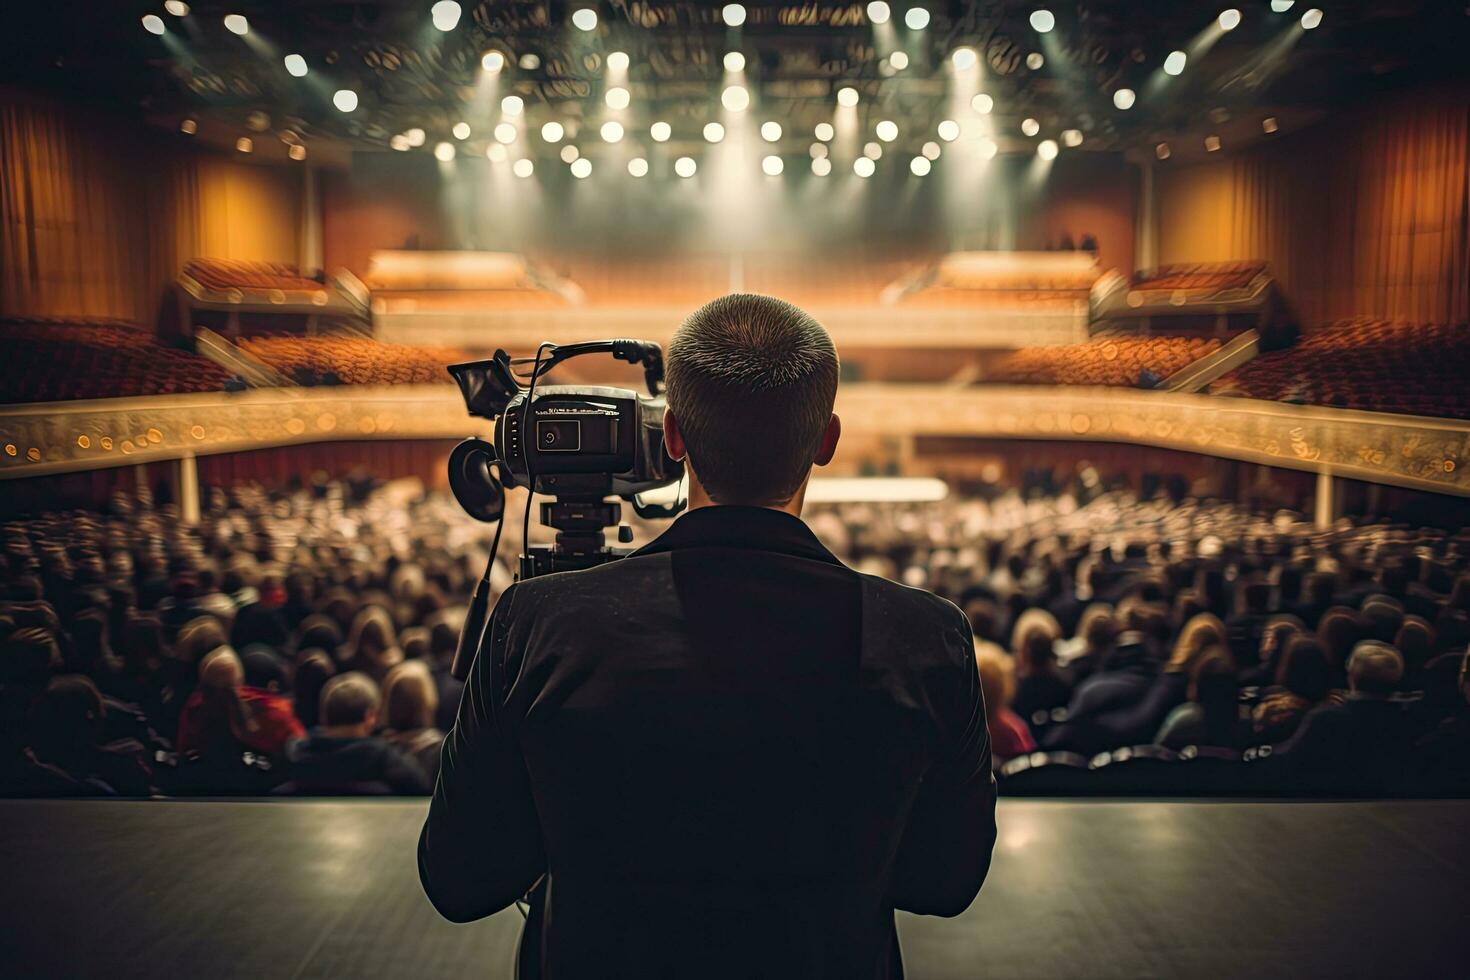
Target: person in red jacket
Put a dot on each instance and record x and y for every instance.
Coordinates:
(1009, 736)
(223, 716)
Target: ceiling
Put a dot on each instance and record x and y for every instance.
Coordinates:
(409, 74)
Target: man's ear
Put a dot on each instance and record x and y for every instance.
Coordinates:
(673, 438)
(828, 447)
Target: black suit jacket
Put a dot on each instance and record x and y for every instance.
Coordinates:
(729, 754)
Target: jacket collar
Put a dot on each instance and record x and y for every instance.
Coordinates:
(756, 528)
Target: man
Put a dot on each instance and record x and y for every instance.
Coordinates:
(1362, 745)
(727, 755)
(343, 757)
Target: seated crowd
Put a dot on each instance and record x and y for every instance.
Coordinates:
(299, 643)
(1166, 630)
(291, 644)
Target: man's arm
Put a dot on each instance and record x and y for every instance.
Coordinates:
(481, 846)
(945, 852)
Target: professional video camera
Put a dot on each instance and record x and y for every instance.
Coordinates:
(577, 444)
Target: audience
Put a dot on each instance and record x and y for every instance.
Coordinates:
(342, 756)
(1336, 656)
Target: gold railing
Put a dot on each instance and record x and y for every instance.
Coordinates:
(1401, 450)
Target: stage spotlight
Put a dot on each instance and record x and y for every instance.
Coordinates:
(685, 167)
(189, 127)
(638, 167)
(818, 150)
(964, 59)
(930, 151)
(899, 60)
(505, 133)
(399, 142)
(847, 96)
(1042, 21)
(821, 167)
(530, 61)
(617, 97)
(245, 144)
(1124, 98)
(585, 19)
(660, 132)
(1030, 127)
(1071, 137)
(581, 168)
(1281, 6)
(618, 61)
(295, 65)
(772, 166)
(872, 151)
(496, 153)
(237, 24)
(1162, 151)
(988, 147)
(552, 132)
(887, 130)
(920, 166)
(512, 105)
(864, 167)
(296, 152)
(733, 14)
(443, 152)
(1229, 19)
(824, 132)
(949, 130)
(344, 99)
(569, 154)
(1268, 125)
(415, 136)
(1212, 144)
(176, 7)
(713, 132)
(523, 168)
(878, 12)
(1174, 64)
(1311, 19)
(445, 15)
(734, 61)
(612, 131)
(916, 19)
(461, 130)
(1047, 149)
(493, 62)
(982, 104)
(1035, 61)
(735, 98)
(153, 24)
(770, 131)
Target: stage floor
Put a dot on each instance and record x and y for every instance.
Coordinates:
(1078, 889)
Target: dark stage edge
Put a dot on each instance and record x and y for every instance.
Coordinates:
(1078, 889)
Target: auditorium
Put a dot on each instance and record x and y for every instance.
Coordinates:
(593, 489)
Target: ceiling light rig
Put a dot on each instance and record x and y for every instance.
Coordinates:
(1229, 19)
(153, 24)
(916, 19)
(733, 14)
(1311, 19)
(1042, 21)
(237, 24)
(1124, 98)
(878, 12)
(585, 19)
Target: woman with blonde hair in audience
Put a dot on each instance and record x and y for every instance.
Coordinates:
(1041, 684)
(372, 644)
(412, 702)
(1009, 736)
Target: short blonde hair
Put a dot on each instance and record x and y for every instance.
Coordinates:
(1375, 667)
(349, 699)
(410, 696)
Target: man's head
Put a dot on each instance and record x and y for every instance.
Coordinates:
(1375, 669)
(351, 701)
(751, 385)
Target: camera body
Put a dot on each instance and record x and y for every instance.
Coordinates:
(576, 430)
